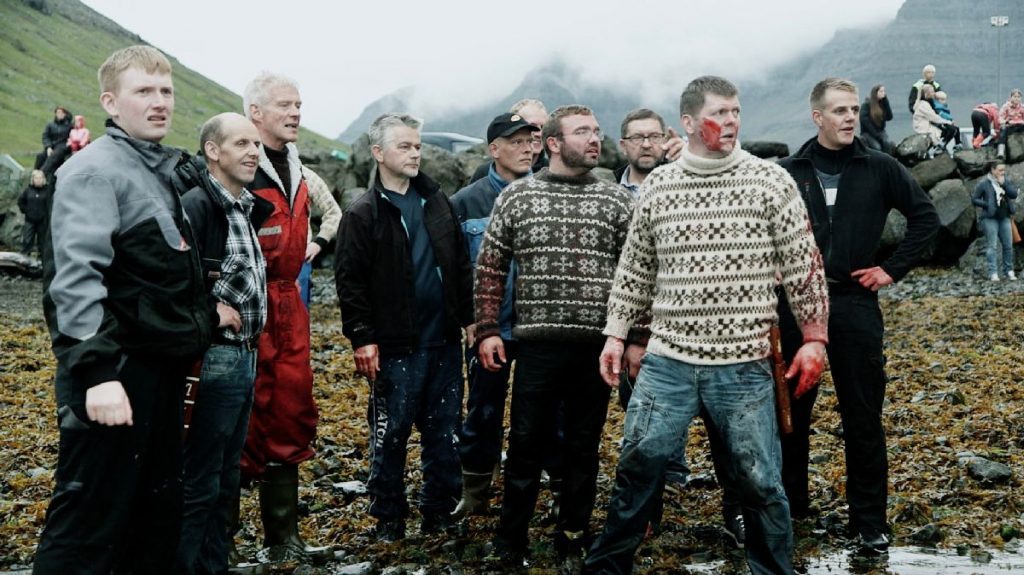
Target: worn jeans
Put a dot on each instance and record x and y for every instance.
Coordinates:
(424, 388)
(997, 232)
(740, 404)
(213, 448)
(549, 375)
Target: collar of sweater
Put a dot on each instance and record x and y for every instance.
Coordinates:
(702, 165)
(580, 180)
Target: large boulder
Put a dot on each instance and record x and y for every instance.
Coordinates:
(348, 196)
(1015, 173)
(444, 168)
(930, 172)
(13, 179)
(766, 150)
(956, 212)
(361, 161)
(894, 231)
(611, 156)
(913, 149)
(1015, 147)
(971, 163)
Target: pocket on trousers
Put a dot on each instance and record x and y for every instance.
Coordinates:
(221, 361)
(638, 416)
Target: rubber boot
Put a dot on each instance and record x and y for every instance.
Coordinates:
(279, 509)
(237, 564)
(475, 496)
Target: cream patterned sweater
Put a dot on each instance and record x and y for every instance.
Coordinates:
(705, 243)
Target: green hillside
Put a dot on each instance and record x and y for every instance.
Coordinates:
(49, 53)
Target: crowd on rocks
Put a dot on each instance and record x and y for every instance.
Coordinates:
(177, 299)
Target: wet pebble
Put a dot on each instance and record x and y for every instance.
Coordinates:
(988, 471)
(364, 568)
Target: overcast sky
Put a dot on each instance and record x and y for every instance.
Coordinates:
(467, 52)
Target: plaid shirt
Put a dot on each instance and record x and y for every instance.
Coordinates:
(243, 280)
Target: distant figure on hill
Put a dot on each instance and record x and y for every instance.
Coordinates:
(32, 203)
(915, 91)
(873, 115)
(940, 105)
(79, 136)
(1011, 116)
(985, 120)
(55, 137)
(927, 121)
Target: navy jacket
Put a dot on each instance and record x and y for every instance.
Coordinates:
(985, 197)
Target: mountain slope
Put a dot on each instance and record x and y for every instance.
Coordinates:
(51, 50)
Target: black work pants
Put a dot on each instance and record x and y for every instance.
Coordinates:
(116, 505)
(857, 364)
(549, 374)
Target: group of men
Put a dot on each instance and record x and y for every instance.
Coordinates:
(666, 279)
(162, 275)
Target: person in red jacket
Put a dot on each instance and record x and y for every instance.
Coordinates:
(985, 120)
(284, 417)
(79, 137)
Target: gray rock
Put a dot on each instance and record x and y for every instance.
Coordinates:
(611, 156)
(894, 231)
(953, 203)
(361, 160)
(988, 471)
(444, 168)
(913, 149)
(927, 535)
(971, 163)
(364, 568)
(1015, 173)
(349, 196)
(351, 488)
(766, 150)
(1015, 147)
(931, 172)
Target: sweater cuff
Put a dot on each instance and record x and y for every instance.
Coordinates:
(815, 332)
(321, 242)
(616, 328)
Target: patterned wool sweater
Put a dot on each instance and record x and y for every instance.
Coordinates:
(565, 234)
(705, 243)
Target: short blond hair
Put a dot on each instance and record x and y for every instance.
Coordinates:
(146, 58)
(817, 96)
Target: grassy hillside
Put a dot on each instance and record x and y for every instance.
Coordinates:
(51, 59)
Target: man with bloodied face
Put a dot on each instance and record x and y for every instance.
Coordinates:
(849, 190)
(708, 236)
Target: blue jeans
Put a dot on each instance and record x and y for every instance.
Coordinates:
(216, 435)
(305, 281)
(740, 404)
(997, 231)
(423, 387)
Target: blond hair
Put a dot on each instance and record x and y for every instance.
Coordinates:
(817, 96)
(146, 58)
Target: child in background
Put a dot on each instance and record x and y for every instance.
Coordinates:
(79, 136)
(941, 108)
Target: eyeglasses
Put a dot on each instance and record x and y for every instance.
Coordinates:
(638, 139)
(586, 133)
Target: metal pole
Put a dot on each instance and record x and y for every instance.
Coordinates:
(998, 22)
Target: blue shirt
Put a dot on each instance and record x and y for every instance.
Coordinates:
(426, 272)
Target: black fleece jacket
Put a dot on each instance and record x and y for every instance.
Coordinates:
(872, 183)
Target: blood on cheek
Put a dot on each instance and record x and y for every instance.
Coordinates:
(711, 134)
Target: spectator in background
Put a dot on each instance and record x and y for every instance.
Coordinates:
(78, 137)
(940, 131)
(995, 195)
(1011, 117)
(915, 91)
(985, 120)
(535, 114)
(32, 203)
(55, 138)
(941, 107)
(873, 116)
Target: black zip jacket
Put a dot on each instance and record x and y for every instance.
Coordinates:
(210, 223)
(32, 203)
(57, 132)
(872, 183)
(374, 273)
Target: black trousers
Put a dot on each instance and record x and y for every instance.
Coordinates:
(549, 374)
(981, 123)
(858, 371)
(117, 501)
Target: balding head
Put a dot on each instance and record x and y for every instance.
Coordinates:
(231, 144)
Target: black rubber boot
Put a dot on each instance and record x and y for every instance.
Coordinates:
(475, 495)
(279, 509)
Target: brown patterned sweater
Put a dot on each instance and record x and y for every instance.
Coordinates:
(565, 234)
(705, 243)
